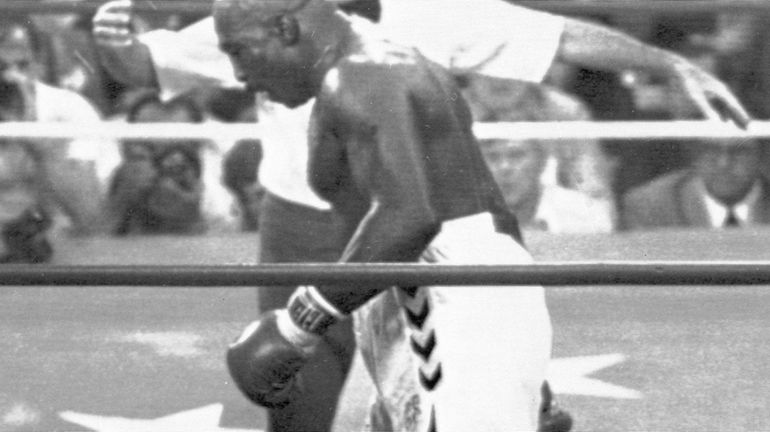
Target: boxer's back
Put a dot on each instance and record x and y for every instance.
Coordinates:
(385, 84)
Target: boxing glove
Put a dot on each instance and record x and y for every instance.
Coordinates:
(266, 360)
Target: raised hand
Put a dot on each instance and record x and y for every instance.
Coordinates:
(710, 96)
(112, 24)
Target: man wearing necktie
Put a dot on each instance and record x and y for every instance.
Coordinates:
(723, 187)
(731, 220)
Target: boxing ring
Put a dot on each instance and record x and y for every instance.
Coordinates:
(557, 274)
(545, 273)
(551, 274)
(594, 7)
(633, 301)
(636, 131)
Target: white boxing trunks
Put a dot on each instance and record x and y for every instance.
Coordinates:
(458, 358)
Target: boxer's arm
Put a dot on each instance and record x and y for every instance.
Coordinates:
(388, 169)
(68, 170)
(365, 141)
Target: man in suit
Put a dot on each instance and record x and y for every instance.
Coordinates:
(721, 187)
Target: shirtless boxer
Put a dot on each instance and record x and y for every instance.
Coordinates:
(295, 225)
(391, 148)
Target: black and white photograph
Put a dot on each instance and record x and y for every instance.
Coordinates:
(384, 215)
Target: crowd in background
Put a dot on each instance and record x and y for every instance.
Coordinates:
(189, 187)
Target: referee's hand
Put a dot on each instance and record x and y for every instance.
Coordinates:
(711, 97)
(113, 24)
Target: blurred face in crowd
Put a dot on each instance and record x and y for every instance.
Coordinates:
(175, 158)
(152, 113)
(18, 71)
(156, 113)
(517, 166)
(17, 58)
(728, 169)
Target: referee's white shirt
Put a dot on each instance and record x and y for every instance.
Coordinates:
(489, 37)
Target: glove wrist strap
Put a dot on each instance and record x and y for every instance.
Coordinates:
(298, 337)
(311, 312)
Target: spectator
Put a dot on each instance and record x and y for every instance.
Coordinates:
(742, 49)
(581, 164)
(738, 48)
(520, 167)
(160, 187)
(51, 173)
(25, 239)
(721, 187)
(71, 60)
(554, 186)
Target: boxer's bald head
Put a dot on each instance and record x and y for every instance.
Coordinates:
(278, 46)
(263, 7)
(236, 15)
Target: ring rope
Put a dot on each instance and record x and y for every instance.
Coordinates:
(541, 273)
(606, 7)
(558, 274)
(563, 130)
(595, 7)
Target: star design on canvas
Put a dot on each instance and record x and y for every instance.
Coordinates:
(570, 375)
(203, 419)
